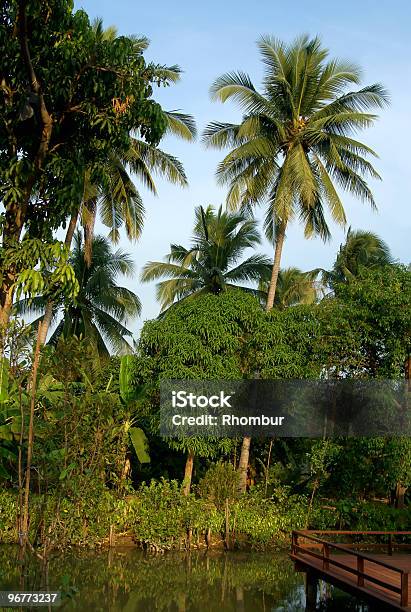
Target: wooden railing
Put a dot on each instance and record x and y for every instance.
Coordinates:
(325, 546)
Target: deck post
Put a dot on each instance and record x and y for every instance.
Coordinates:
(360, 568)
(311, 589)
(404, 588)
(294, 542)
(390, 544)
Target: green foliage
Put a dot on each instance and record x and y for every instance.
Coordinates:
(284, 342)
(140, 444)
(265, 521)
(360, 250)
(219, 484)
(4, 379)
(46, 269)
(323, 455)
(364, 515)
(163, 515)
(72, 521)
(294, 141)
(367, 327)
(372, 467)
(96, 73)
(125, 377)
(204, 339)
(101, 307)
(293, 287)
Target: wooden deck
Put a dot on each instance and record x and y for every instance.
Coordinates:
(382, 578)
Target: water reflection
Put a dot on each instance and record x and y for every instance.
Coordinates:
(129, 581)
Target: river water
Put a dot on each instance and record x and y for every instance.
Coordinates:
(129, 580)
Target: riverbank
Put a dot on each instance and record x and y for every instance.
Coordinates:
(157, 517)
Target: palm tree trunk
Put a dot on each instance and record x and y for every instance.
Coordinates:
(46, 322)
(276, 266)
(89, 220)
(5, 310)
(243, 464)
(188, 473)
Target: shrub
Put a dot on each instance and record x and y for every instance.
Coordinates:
(219, 483)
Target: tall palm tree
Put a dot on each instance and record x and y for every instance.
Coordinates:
(213, 261)
(362, 249)
(294, 145)
(293, 287)
(102, 307)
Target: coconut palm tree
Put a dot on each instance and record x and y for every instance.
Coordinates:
(294, 145)
(213, 261)
(293, 287)
(102, 307)
(362, 249)
(114, 192)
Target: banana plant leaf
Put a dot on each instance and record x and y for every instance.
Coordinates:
(140, 444)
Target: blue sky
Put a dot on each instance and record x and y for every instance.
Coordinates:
(208, 39)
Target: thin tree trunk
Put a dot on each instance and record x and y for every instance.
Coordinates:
(267, 467)
(400, 491)
(188, 473)
(48, 315)
(276, 266)
(243, 464)
(25, 520)
(89, 214)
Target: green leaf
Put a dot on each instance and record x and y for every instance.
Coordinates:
(125, 378)
(4, 379)
(64, 473)
(5, 433)
(140, 444)
(3, 472)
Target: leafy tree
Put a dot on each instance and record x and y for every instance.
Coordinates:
(204, 339)
(52, 128)
(213, 263)
(367, 328)
(362, 249)
(294, 144)
(102, 307)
